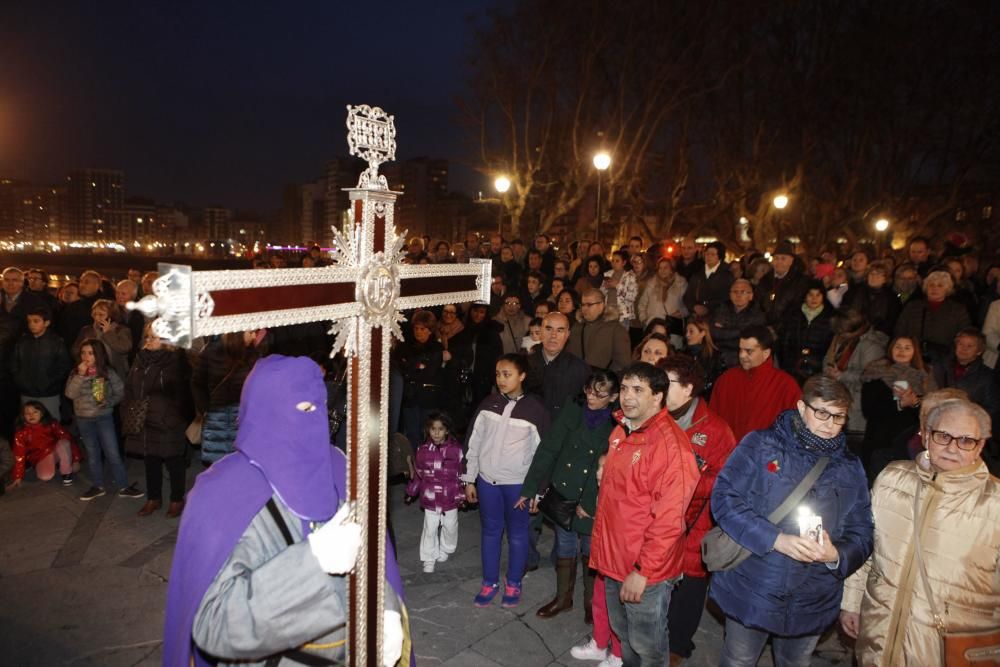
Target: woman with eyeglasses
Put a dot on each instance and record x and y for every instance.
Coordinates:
(789, 587)
(566, 463)
(937, 535)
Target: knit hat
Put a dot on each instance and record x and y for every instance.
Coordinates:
(784, 247)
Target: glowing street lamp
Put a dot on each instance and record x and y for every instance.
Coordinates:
(601, 163)
(881, 225)
(502, 185)
(780, 201)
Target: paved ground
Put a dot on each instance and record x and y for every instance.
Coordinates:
(85, 584)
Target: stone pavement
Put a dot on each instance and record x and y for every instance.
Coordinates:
(85, 584)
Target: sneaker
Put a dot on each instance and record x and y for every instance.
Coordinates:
(92, 492)
(611, 661)
(442, 558)
(130, 492)
(428, 566)
(486, 594)
(511, 596)
(589, 651)
(68, 480)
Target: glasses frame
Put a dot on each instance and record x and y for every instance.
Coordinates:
(931, 436)
(820, 412)
(590, 391)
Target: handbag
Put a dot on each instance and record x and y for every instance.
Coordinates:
(193, 431)
(958, 649)
(557, 508)
(133, 414)
(721, 552)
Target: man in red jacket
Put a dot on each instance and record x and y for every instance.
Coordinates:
(649, 477)
(752, 396)
(712, 442)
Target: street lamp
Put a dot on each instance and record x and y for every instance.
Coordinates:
(601, 162)
(881, 226)
(780, 201)
(502, 185)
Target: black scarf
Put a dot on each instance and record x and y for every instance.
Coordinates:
(813, 442)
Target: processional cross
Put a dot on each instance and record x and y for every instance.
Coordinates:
(362, 293)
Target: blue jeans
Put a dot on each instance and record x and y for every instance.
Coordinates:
(98, 435)
(496, 513)
(744, 646)
(567, 540)
(642, 626)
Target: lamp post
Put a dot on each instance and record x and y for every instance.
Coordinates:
(502, 185)
(601, 162)
(780, 201)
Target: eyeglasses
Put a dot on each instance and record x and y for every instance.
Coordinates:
(965, 442)
(451, 311)
(591, 391)
(592, 303)
(824, 415)
(512, 302)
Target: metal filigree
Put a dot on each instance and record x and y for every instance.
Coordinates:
(346, 251)
(171, 300)
(371, 136)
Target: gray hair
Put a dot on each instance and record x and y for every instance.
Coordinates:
(942, 277)
(961, 406)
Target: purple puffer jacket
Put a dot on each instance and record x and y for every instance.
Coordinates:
(437, 481)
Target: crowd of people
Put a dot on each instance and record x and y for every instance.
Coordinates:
(634, 402)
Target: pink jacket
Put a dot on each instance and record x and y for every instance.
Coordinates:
(437, 481)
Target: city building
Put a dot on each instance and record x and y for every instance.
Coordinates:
(93, 194)
(423, 182)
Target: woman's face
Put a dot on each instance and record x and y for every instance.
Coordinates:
(814, 299)
(87, 355)
(565, 303)
(509, 379)
(827, 427)
(32, 415)
(99, 314)
(694, 335)
(593, 268)
(70, 294)
(876, 279)
(952, 457)
(638, 263)
(449, 314)
(617, 263)
(421, 333)
(599, 396)
(653, 351)
(936, 290)
(664, 270)
(506, 254)
(736, 268)
(902, 351)
(596, 249)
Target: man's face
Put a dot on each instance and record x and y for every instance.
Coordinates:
(135, 275)
(592, 308)
(876, 279)
(541, 243)
(124, 292)
(560, 270)
(506, 254)
(712, 258)
(477, 315)
(688, 250)
(90, 284)
(966, 350)
(859, 262)
(634, 247)
(752, 354)
(919, 252)
(533, 285)
(906, 280)
(496, 241)
(421, 333)
(13, 282)
(36, 281)
(443, 251)
(511, 306)
(741, 294)
(37, 325)
(639, 403)
(534, 262)
(781, 263)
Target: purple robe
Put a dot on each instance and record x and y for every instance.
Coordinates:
(281, 450)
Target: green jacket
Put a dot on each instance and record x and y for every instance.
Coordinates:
(566, 460)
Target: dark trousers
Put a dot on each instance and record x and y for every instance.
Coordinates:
(686, 606)
(154, 477)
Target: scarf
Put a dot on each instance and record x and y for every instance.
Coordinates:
(890, 372)
(813, 442)
(811, 313)
(594, 418)
(447, 331)
(685, 414)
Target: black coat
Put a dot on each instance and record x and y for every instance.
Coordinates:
(977, 382)
(710, 292)
(778, 296)
(41, 365)
(726, 327)
(474, 353)
(162, 376)
(75, 317)
(804, 343)
(881, 306)
(423, 376)
(557, 381)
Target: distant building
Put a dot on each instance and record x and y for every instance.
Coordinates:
(423, 182)
(32, 213)
(93, 194)
(341, 173)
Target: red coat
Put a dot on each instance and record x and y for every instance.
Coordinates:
(712, 440)
(649, 477)
(752, 400)
(33, 442)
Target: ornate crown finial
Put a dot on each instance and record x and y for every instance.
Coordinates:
(371, 135)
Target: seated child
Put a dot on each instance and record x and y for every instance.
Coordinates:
(44, 443)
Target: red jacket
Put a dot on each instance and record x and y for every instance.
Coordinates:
(649, 477)
(713, 441)
(752, 400)
(33, 442)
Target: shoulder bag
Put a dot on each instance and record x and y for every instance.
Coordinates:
(558, 509)
(958, 649)
(193, 431)
(721, 552)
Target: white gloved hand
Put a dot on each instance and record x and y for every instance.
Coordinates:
(392, 638)
(336, 544)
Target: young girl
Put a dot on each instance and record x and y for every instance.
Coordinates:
(45, 444)
(436, 482)
(95, 388)
(502, 442)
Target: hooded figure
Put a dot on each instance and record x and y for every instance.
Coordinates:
(251, 578)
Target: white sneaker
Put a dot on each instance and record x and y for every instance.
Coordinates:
(428, 566)
(442, 558)
(611, 661)
(589, 651)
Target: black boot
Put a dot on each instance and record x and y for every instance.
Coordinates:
(565, 583)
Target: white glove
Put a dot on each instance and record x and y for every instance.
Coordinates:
(336, 544)
(392, 638)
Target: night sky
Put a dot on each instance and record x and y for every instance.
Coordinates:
(221, 103)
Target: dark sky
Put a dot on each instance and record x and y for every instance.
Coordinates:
(222, 103)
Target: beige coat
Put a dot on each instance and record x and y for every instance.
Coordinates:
(960, 535)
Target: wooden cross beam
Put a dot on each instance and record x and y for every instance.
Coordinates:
(362, 294)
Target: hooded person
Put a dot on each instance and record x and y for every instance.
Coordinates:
(262, 550)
